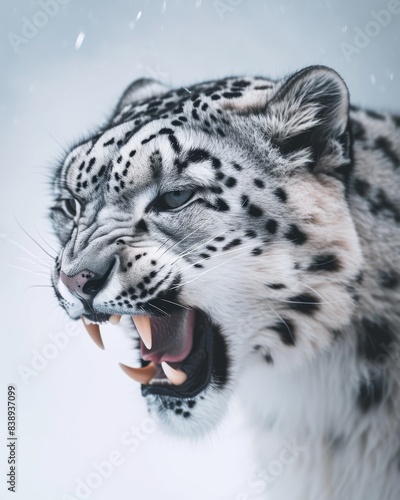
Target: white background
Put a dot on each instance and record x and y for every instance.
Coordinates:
(74, 409)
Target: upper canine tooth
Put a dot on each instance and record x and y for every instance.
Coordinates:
(94, 332)
(142, 375)
(115, 319)
(143, 327)
(176, 377)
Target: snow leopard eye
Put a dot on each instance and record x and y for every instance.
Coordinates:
(70, 206)
(173, 199)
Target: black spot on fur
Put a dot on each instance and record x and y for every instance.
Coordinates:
(259, 183)
(281, 194)
(295, 235)
(231, 244)
(268, 358)
(396, 120)
(360, 277)
(271, 226)
(263, 87)
(232, 95)
(276, 286)
(358, 130)
(388, 150)
(255, 211)
(325, 262)
(285, 329)
(375, 115)
(230, 182)
(389, 279)
(174, 143)
(216, 163)
(240, 83)
(166, 131)
(361, 186)
(180, 165)
(305, 303)
(108, 143)
(145, 141)
(381, 203)
(256, 251)
(371, 393)
(374, 338)
(250, 233)
(221, 205)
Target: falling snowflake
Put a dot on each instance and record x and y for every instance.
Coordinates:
(133, 23)
(79, 40)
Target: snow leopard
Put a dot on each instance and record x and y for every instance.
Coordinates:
(248, 230)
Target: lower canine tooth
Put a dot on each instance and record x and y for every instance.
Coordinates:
(142, 375)
(94, 332)
(176, 377)
(115, 319)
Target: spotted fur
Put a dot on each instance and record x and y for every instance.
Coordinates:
(290, 244)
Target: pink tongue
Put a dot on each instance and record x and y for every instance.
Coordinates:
(172, 337)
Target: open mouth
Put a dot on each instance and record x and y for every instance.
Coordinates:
(180, 352)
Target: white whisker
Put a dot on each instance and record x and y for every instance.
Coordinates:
(158, 309)
(30, 271)
(33, 239)
(316, 293)
(29, 261)
(176, 304)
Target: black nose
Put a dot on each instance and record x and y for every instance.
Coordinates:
(85, 284)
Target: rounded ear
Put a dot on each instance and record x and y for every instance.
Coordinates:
(140, 90)
(314, 96)
(311, 109)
